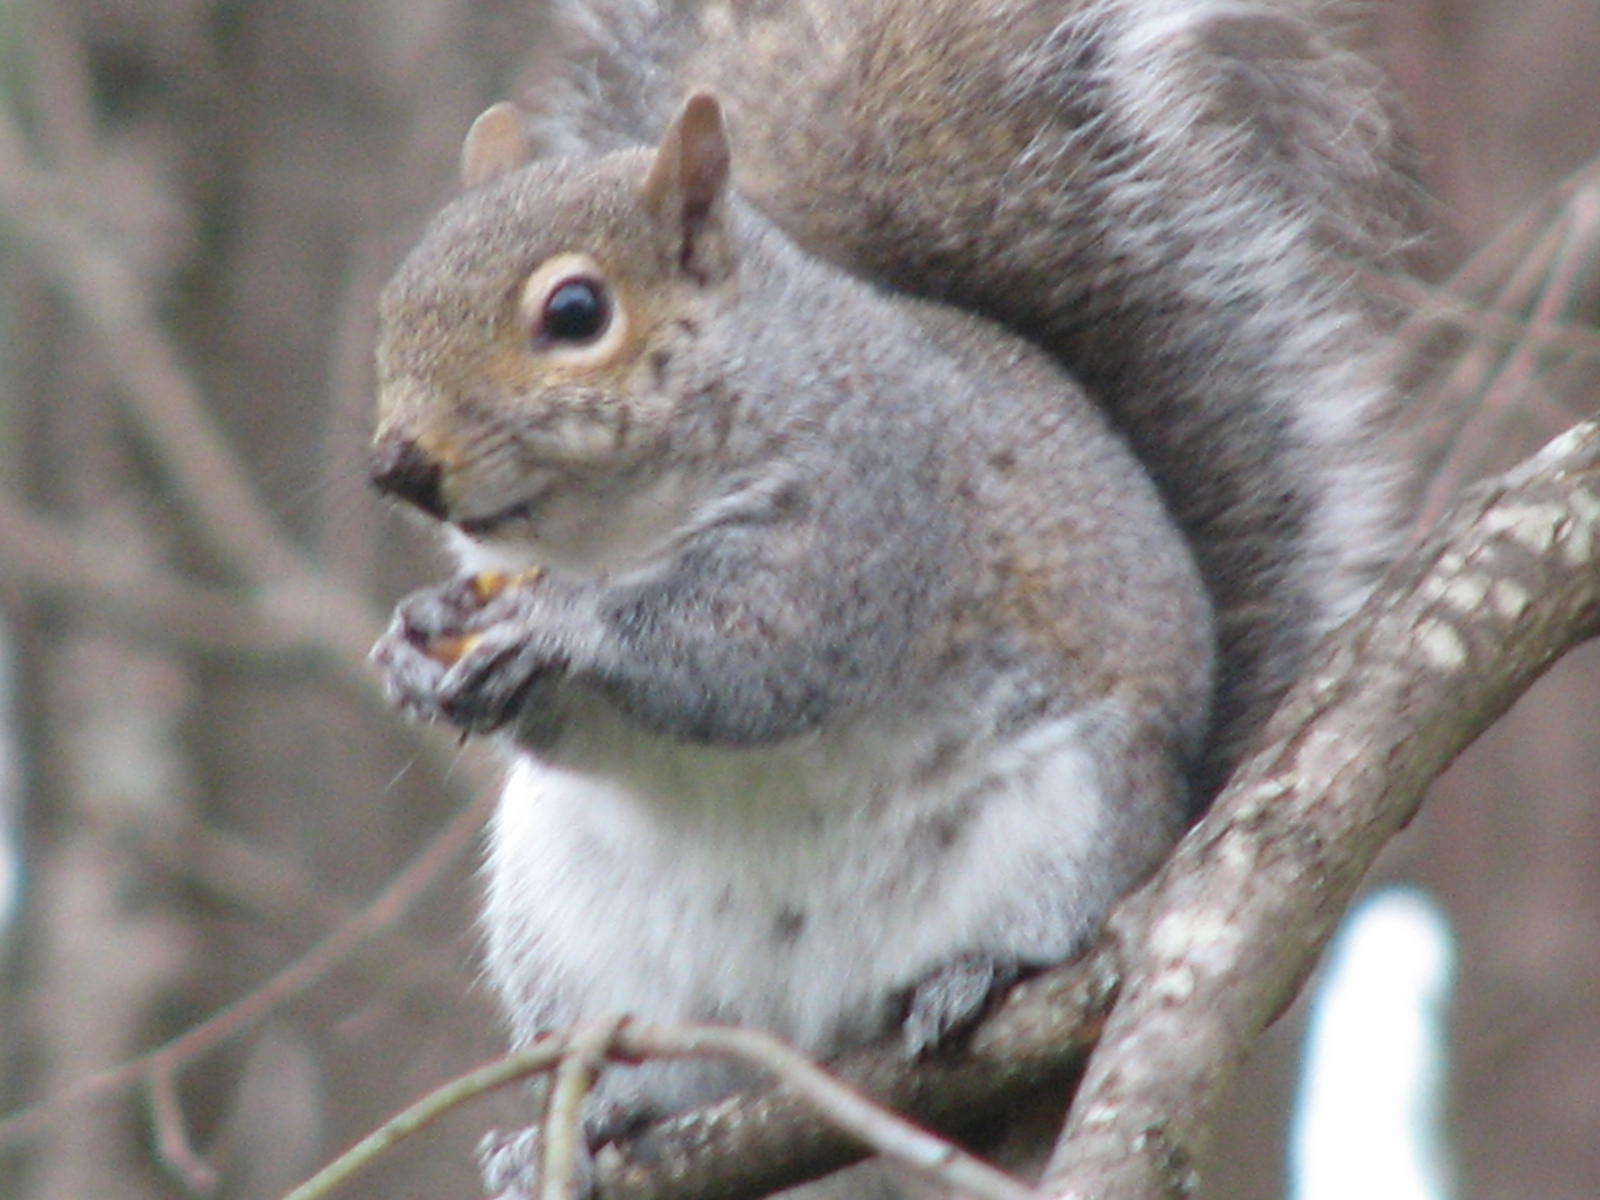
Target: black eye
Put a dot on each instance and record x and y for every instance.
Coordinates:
(577, 311)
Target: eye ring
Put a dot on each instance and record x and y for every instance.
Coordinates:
(571, 313)
(576, 311)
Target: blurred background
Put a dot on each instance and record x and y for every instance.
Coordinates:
(237, 895)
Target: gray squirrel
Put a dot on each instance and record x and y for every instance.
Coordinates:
(898, 453)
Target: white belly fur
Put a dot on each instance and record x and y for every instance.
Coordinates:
(793, 889)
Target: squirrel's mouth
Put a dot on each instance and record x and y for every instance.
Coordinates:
(490, 523)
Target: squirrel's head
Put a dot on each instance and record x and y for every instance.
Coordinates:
(531, 347)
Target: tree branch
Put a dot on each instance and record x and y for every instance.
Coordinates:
(169, 411)
(383, 912)
(754, 1143)
(1214, 948)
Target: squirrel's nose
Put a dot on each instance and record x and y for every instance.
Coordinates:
(403, 469)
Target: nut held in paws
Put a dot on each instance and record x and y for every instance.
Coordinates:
(451, 648)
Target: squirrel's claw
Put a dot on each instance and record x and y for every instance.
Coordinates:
(464, 652)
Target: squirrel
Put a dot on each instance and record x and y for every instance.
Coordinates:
(898, 453)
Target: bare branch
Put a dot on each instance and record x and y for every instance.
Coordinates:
(1509, 386)
(173, 1142)
(1220, 941)
(536, 1060)
(573, 1057)
(1438, 306)
(383, 912)
(563, 1123)
(753, 1144)
(166, 402)
(90, 574)
(163, 396)
(846, 1109)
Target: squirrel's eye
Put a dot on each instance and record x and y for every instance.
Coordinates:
(570, 313)
(576, 311)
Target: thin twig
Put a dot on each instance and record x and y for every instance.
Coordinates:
(173, 1143)
(84, 571)
(540, 1058)
(1512, 297)
(885, 1132)
(1565, 252)
(1434, 305)
(562, 1143)
(882, 1131)
(390, 905)
(1498, 255)
(164, 399)
(255, 880)
(1023, 1056)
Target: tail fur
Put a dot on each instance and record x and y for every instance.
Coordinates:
(1171, 196)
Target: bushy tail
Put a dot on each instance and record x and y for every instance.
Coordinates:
(1171, 196)
(612, 73)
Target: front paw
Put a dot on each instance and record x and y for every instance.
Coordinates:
(468, 652)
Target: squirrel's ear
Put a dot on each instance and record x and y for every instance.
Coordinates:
(688, 176)
(497, 143)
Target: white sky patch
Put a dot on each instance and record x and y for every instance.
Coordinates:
(1369, 1117)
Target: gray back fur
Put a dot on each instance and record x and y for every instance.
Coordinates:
(1170, 196)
